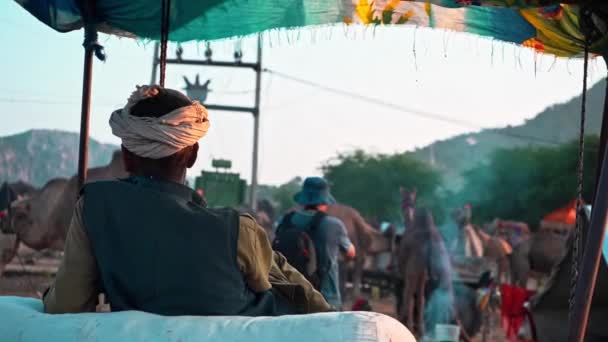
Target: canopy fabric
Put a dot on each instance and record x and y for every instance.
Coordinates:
(563, 215)
(544, 25)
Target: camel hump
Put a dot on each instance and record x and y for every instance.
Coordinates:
(55, 182)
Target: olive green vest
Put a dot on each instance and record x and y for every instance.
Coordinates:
(160, 250)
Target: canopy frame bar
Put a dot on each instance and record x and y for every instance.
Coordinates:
(90, 48)
(585, 286)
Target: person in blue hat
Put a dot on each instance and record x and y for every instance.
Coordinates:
(327, 233)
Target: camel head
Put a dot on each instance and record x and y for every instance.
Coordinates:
(408, 197)
(408, 204)
(462, 216)
(21, 219)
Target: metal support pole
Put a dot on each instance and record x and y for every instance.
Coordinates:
(230, 108)
(154, 64)
(585, 285)
(603, 136)
(256, 129)
(85, 113)
(88, 8)
(212, 63)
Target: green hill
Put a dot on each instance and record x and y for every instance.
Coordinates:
(555, 125)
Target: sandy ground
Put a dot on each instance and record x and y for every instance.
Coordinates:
(494, 332)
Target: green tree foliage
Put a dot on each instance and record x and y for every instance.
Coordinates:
(370, 182)
(282, 195)
(527, 183)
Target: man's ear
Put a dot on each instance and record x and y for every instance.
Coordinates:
(193, 155)
(128, 160)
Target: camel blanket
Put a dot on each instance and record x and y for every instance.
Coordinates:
(23, 320)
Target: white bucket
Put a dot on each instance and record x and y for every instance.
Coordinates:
(447, 333)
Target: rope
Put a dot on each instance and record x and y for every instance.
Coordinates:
(576, 245)
(90, 41)
(164, 38)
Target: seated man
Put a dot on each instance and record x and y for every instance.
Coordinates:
(149, 243)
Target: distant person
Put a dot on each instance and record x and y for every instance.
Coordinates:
(311, 240)
(149, 243)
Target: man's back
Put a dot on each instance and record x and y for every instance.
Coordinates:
(330, 238)
(160, 251)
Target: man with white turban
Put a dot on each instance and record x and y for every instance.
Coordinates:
(149, 243)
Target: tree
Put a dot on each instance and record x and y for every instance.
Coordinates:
(283, 195)
(370, 182)
(527, 183)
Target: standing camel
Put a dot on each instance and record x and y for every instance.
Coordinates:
(425, 265)
(476, 243)
(367, 240)
(9, 243)
(539, 253)
(536, 252)
(42, 220)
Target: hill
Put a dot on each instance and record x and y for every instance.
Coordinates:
(557, 124)
(37, 156)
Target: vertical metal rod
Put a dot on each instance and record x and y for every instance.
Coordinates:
(585, 285)
(603, 137)
(85, 113)
(154, 64)
(256, 129)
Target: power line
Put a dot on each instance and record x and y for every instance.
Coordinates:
(369, 99)
(410, 111)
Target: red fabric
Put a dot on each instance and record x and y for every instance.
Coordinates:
(512, 310)
(361, 304)
(566, 214)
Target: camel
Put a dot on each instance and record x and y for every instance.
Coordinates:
(9, 243)
(36, 211)
(479, 244)
(42, 220)
(425, 265)
(533, 252)
(367, 240)
(538, 253)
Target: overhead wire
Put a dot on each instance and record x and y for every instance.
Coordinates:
(410, 111)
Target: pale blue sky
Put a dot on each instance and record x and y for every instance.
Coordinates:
(454, 75)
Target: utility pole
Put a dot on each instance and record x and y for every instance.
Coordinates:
(155, 61)
(255, 110)
(253, 196)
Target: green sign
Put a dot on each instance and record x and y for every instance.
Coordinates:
(221, 189)
(221, 163)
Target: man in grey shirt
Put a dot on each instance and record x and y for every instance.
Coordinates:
(330, 238)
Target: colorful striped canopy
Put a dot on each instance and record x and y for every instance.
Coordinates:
(545, 25)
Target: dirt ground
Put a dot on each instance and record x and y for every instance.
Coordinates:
(386, 306)
(19, 283)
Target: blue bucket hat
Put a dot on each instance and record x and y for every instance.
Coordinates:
(315, 191)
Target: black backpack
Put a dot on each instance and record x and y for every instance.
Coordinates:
(298, 247)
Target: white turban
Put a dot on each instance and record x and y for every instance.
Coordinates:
(156, 138)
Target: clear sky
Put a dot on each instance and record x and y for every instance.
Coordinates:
(458, 76)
